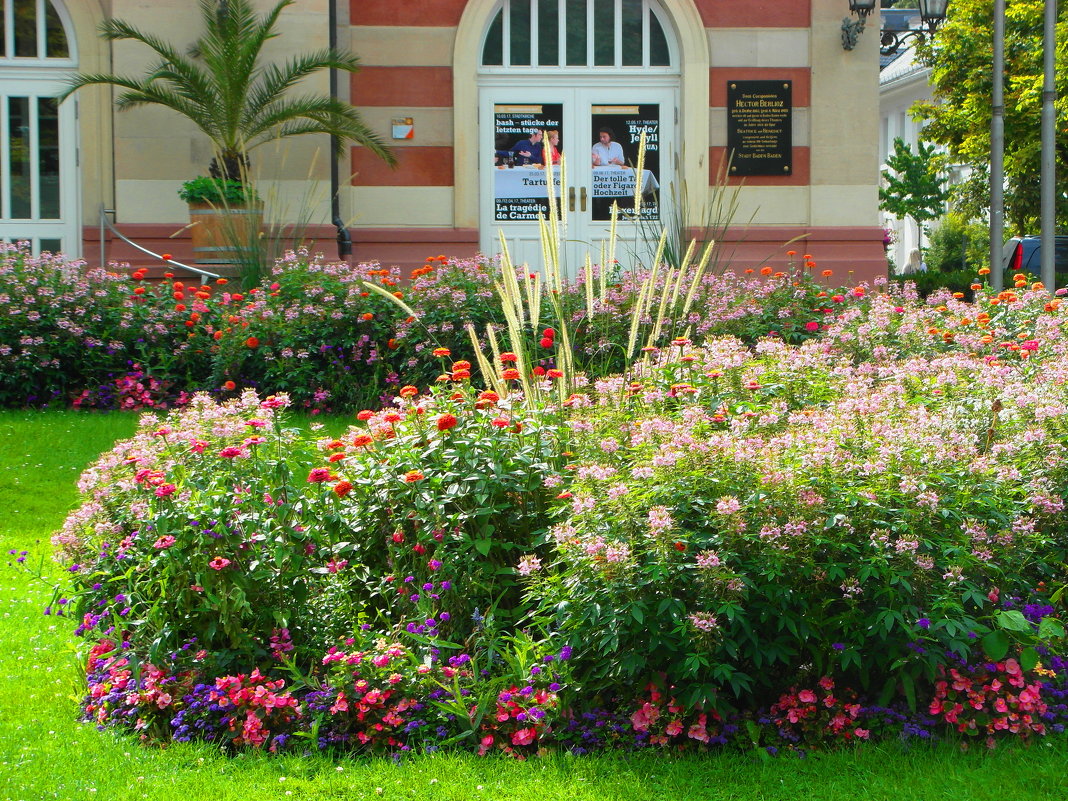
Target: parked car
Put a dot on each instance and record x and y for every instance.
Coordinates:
(1024, 254)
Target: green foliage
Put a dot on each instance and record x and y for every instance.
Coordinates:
(959, 115)
(712, 545)
(913, 186)
(957, 245)
(45, 752)
(217, 191)
(931, 281)
(227, 90)
(229, 526)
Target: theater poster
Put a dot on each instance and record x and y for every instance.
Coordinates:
(618, 128)
(520, 184)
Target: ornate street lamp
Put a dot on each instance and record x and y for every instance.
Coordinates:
(932, 14)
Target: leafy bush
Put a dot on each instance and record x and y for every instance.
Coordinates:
(957, 245)
(217, 191)
(66, 331)
(742, 518)
(781, 544)
(316, 330)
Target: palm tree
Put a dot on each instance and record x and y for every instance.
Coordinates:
(235, 99)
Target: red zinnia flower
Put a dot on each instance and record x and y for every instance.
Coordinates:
(365, 415)
(252, 342)
(408, 391)
(446, 421)
(549, 333)
(463, 364)
(511, 374)
(442, 353)
(342, 488)
(229, 386)
(539, 371)
(362, 440)
(554, 373)
(391, 417)
(509, 357)
(546, 342)
(413, 475)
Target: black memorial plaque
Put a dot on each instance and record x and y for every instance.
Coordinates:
(759, 116)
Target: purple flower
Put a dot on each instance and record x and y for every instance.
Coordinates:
(923, 623)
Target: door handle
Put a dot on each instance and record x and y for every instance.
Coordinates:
(582, 199)
(571, 198)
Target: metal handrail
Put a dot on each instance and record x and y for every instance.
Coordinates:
(106, 223)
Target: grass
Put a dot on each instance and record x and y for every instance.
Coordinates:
(45, 753)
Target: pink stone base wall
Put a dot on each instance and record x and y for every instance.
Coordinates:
(854, 254)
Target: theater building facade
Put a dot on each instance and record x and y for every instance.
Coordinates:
(754, 100)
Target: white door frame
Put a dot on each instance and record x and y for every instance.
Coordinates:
(578, 93)
(66, 228)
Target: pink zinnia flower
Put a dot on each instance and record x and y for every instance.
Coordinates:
(166, 541)
(319, 475)
(218, 563)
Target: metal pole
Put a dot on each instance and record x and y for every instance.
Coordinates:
(997, 150)
(344, 241)
(1049, 140)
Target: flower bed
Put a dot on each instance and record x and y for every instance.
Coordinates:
(783, 545)
(106, 339)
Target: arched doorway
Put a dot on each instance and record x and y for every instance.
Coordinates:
(38, 138)
(577, 67)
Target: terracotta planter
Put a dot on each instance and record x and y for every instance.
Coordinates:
(224, 234)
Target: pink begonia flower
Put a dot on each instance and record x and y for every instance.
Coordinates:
(524, 736)
(807, 697)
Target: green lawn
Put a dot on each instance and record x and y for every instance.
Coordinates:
(45, 754)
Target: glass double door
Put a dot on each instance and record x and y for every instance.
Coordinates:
(38, 195)
(594, 138)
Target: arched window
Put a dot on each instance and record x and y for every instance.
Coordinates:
(583, 34)
(32, 29)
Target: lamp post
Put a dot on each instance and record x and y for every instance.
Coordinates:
(1049, 142)
(997, 150)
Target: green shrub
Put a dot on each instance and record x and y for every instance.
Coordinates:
(217, 191)
(957, 245)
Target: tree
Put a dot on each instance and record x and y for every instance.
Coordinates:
(914, 188)
(961, 60)
(235, 99)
